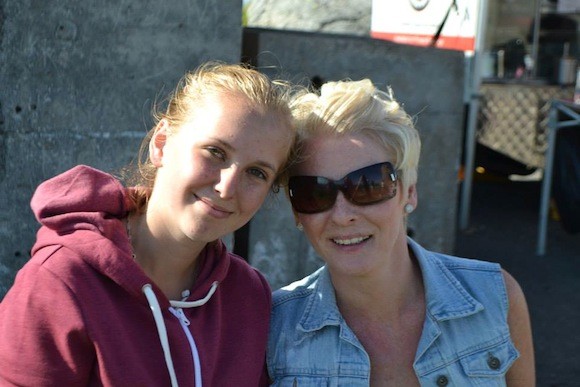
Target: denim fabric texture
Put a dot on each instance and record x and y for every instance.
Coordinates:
(465, 339)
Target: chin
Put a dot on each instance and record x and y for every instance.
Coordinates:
(357, 269)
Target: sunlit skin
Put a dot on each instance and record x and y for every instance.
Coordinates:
(353, 240)
(212, 176)
(378, 286)
(377, 281)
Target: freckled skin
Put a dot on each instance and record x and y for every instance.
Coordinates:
(215, 172)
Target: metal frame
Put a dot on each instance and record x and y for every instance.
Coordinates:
(474, 98)
(572, 111)
(470, 135)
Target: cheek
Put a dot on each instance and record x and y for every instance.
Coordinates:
(200, 170)
(253, 195)
(312, 223)
(389, 215)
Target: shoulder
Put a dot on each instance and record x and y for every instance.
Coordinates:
(475, 275)
(518, 308)
(459, 264)
(56, 261)
(450, 262)
(477, 283)
(514, 289)
(42, 316)
(55, 275)
(45, 281)
(298, 291)
(472, 273)
(523, 370)
(296, 301)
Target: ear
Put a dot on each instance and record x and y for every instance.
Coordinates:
(412, 196)
(157, 143)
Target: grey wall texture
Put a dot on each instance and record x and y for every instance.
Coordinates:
(78, 80)
(428, 82)
(352, 17)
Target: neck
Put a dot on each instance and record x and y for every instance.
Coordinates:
(387, 294)
(171, 264)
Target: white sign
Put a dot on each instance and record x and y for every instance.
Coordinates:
(568, 6)
(449, 24)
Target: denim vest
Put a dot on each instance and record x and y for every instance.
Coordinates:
(465, 339)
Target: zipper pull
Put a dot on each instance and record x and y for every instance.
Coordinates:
(181, 316)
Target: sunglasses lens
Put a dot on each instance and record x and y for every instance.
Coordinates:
(311, 194)
(371, 184)
(368, 185)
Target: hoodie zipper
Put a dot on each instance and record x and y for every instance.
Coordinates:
(184, 322)
(176, 310)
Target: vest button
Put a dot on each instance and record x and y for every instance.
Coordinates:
(493, 362)
(442, 380)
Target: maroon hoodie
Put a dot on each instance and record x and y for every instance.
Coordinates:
(81, 312)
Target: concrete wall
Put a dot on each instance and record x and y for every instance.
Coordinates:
(352, 17)
(428, 82)
(77, 83)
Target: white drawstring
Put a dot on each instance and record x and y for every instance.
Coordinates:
(196, 362)
(156, 310)
(200, 302)
(162, 330)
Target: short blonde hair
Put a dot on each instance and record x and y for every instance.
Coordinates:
(358, 106)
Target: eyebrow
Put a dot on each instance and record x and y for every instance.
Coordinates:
(231, 148)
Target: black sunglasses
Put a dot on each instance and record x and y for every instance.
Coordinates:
(369, 185)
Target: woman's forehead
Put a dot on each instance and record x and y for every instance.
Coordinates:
(333, 156)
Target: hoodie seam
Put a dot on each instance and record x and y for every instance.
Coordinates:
(70, 293)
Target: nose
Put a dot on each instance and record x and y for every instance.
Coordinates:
(227, 185)
(343, 212)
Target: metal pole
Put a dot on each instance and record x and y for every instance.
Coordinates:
(547, 179)
(536, 36)
(469, 147)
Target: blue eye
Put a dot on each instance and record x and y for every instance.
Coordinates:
(216, 152)
(258, 173)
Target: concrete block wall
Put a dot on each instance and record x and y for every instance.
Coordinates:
(429, 83)
(78, 80)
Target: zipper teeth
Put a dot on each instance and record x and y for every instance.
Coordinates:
(184, 322)
(182, 317)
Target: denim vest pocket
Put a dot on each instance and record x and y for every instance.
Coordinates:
(480, 366)
(314, 381)
(490, 362)
(301, 381)
(295, 381)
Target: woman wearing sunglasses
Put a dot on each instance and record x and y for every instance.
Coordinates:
(133, 287)
(384, 311)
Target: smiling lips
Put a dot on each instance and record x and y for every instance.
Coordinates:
(220, 212)
(350, 241)
(214, 210)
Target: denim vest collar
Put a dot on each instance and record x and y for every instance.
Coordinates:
(321, 309)
(445, 298)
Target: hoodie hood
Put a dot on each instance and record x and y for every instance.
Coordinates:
(83, 312)
(84, 210)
